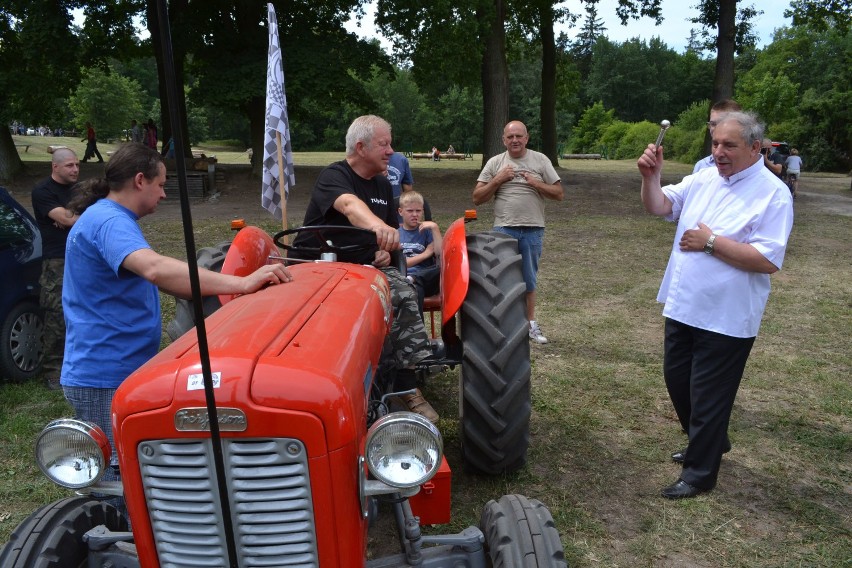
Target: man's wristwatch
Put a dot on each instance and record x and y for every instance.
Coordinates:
(711, 242)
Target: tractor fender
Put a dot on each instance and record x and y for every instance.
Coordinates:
(249, 251)
(455, 276)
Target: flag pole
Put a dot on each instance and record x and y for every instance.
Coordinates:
(278, 168)
(284, 223)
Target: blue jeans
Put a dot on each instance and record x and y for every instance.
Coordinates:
(529, 245)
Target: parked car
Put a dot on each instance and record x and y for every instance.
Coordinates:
(20, 267)
(782, 147)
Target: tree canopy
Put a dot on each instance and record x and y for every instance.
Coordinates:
(457, 72)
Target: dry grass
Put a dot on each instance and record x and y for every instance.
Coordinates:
(602, 426)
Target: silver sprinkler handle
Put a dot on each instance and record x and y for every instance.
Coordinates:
(664, 125)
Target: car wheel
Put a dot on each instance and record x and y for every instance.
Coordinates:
(495, 404)
(211, 258)
(52, 537)
(520, 533)
(21, 352)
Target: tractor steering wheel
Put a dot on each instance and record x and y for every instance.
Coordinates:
(325, 247)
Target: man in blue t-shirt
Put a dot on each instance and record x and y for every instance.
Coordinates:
(421, 244)
(112, 282)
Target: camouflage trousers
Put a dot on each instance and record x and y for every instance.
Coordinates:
(52, 270)
(408, 337)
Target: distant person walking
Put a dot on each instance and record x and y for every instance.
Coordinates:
(151, 134)
(91, 144)
(135, 132)
(50, 205)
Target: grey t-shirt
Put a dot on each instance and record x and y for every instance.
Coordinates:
(516, 203)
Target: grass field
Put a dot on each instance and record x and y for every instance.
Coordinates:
(603, 427)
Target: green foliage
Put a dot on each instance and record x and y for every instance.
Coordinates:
(37, 60)
(107, 100)
(636, 139)
(587, 134)
(612, 138)
(685, 139)
(799, 85)
(599, 132)
(196, 121)
(769, 96)
(628, 77)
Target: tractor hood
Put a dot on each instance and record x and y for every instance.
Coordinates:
(309, 349)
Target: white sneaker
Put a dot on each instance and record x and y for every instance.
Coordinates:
(536, 334)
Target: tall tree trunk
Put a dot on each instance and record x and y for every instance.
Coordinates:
(10, 160)
(176, 7)
(548, 84)
(255, 111)
(495, 84)
(723, 82)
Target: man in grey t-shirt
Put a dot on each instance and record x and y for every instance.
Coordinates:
(520, 180)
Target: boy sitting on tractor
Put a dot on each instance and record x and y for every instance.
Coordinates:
(421, 244)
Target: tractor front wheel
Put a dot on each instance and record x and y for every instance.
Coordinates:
(520, 533)
(495, 402)
(52, 537)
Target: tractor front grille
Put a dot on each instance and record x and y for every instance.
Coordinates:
(270, 499)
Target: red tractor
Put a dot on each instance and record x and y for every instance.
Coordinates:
(304, 443)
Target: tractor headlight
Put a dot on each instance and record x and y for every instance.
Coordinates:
(72, 453)
(403, 449)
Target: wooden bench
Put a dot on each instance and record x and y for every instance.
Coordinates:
(581, 156)
(196, 185)
(26, 147)
(456, 156)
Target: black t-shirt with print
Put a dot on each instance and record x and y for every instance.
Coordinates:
(339, 179)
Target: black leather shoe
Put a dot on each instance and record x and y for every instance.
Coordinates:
(681, 490)
(679, 456)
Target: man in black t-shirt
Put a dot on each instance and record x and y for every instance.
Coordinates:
(50, 201)
(355, 192)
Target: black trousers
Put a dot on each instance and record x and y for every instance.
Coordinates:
(703, 370)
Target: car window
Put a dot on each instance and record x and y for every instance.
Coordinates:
(13, 229)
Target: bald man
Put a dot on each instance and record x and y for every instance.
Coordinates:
(519, 180)
(50, 201)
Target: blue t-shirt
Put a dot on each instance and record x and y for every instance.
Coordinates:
(414, 242)
(399, 172)
(112, 315)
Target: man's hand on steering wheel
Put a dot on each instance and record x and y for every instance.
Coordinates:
(386, 237)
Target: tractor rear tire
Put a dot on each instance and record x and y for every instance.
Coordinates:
(52, 536)
(520, 533)
(495, 402)
(211, 258)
